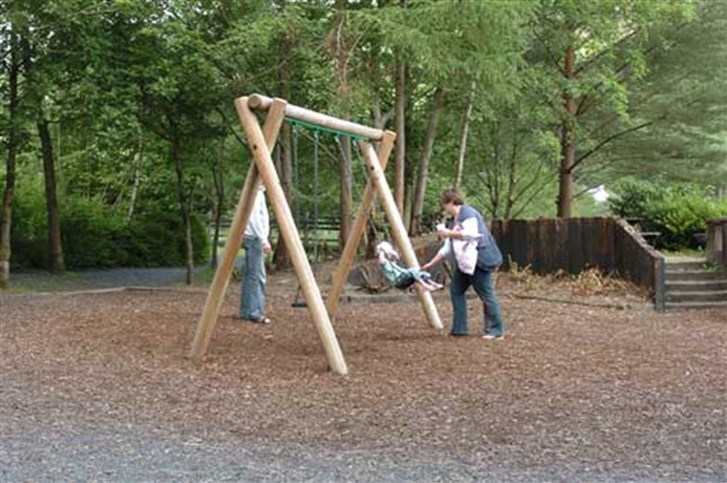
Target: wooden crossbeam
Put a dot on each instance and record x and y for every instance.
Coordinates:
(263, 103)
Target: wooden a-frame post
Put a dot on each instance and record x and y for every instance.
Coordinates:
(398, 230)
(262, 169)
(289, 233)
(217, 290)
(376, 162)
(260, 144)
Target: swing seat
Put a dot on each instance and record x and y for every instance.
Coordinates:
(404, 281)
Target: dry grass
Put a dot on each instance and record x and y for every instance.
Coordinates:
(592, 282)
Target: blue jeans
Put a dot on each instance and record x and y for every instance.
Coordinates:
(481, 280)
(252, 295)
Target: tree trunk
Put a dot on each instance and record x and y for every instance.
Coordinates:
(463, 137)
(55, 243)
(567, 142)
(6, 210)
(137, 178)
(281, 257)
(493, 170)
(511, 176)
(346, 199)
(400, 121)
(377, 117)
(219, 208)
(341, 53)
(426, 155)
(184, 207)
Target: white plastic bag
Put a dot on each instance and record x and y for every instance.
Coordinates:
(465, 252)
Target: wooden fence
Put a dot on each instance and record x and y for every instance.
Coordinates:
(571, 245)
(549, 245)
(577, 244)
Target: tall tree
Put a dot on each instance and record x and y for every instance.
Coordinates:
(593, 49)
(286, 42)
(341, 42)
(177, 107)
(55, 244)
(37, 43)
(12, 63)
(415, 225)
(684, 98)
(400, 116)
(463, 137)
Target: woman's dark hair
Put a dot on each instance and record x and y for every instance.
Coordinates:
(451, 196)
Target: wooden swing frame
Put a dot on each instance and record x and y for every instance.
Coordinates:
(261, 142)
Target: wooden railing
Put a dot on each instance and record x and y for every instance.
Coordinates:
(638, 261)
(716, 251)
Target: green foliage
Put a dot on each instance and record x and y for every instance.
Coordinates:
(678, 212)
(633, 198)
(685, 92)
(118, 81)
(97, 236)
(93, 235)
(28, 232)
(157, 239)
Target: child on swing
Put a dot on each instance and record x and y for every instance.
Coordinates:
(403, 278)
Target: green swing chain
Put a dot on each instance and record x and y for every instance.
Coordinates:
(315, 196)
(362, 164)
(295, 123)
(296, 180)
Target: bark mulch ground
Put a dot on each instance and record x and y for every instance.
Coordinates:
(96, 387)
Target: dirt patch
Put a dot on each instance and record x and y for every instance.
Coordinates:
(98, 387)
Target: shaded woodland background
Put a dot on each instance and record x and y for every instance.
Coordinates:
(121, 146)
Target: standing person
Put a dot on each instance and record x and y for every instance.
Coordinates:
(256, 245)
(477, 257)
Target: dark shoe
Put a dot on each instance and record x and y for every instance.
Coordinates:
(456, 334)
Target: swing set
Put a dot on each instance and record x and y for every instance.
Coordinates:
(313, 223)
(261, 142)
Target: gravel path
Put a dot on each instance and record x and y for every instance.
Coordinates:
(39, 281)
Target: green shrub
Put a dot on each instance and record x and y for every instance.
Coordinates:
(157, 239)
(96, 235)
(634, 198)
(29, 231)
(678, 212)
(681, 214)
(93, 234)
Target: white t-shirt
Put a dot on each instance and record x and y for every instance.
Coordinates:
(259, 224)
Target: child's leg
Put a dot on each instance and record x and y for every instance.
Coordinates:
(430, 285)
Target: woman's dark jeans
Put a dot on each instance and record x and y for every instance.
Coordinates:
(252, 297)
(481, 280)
